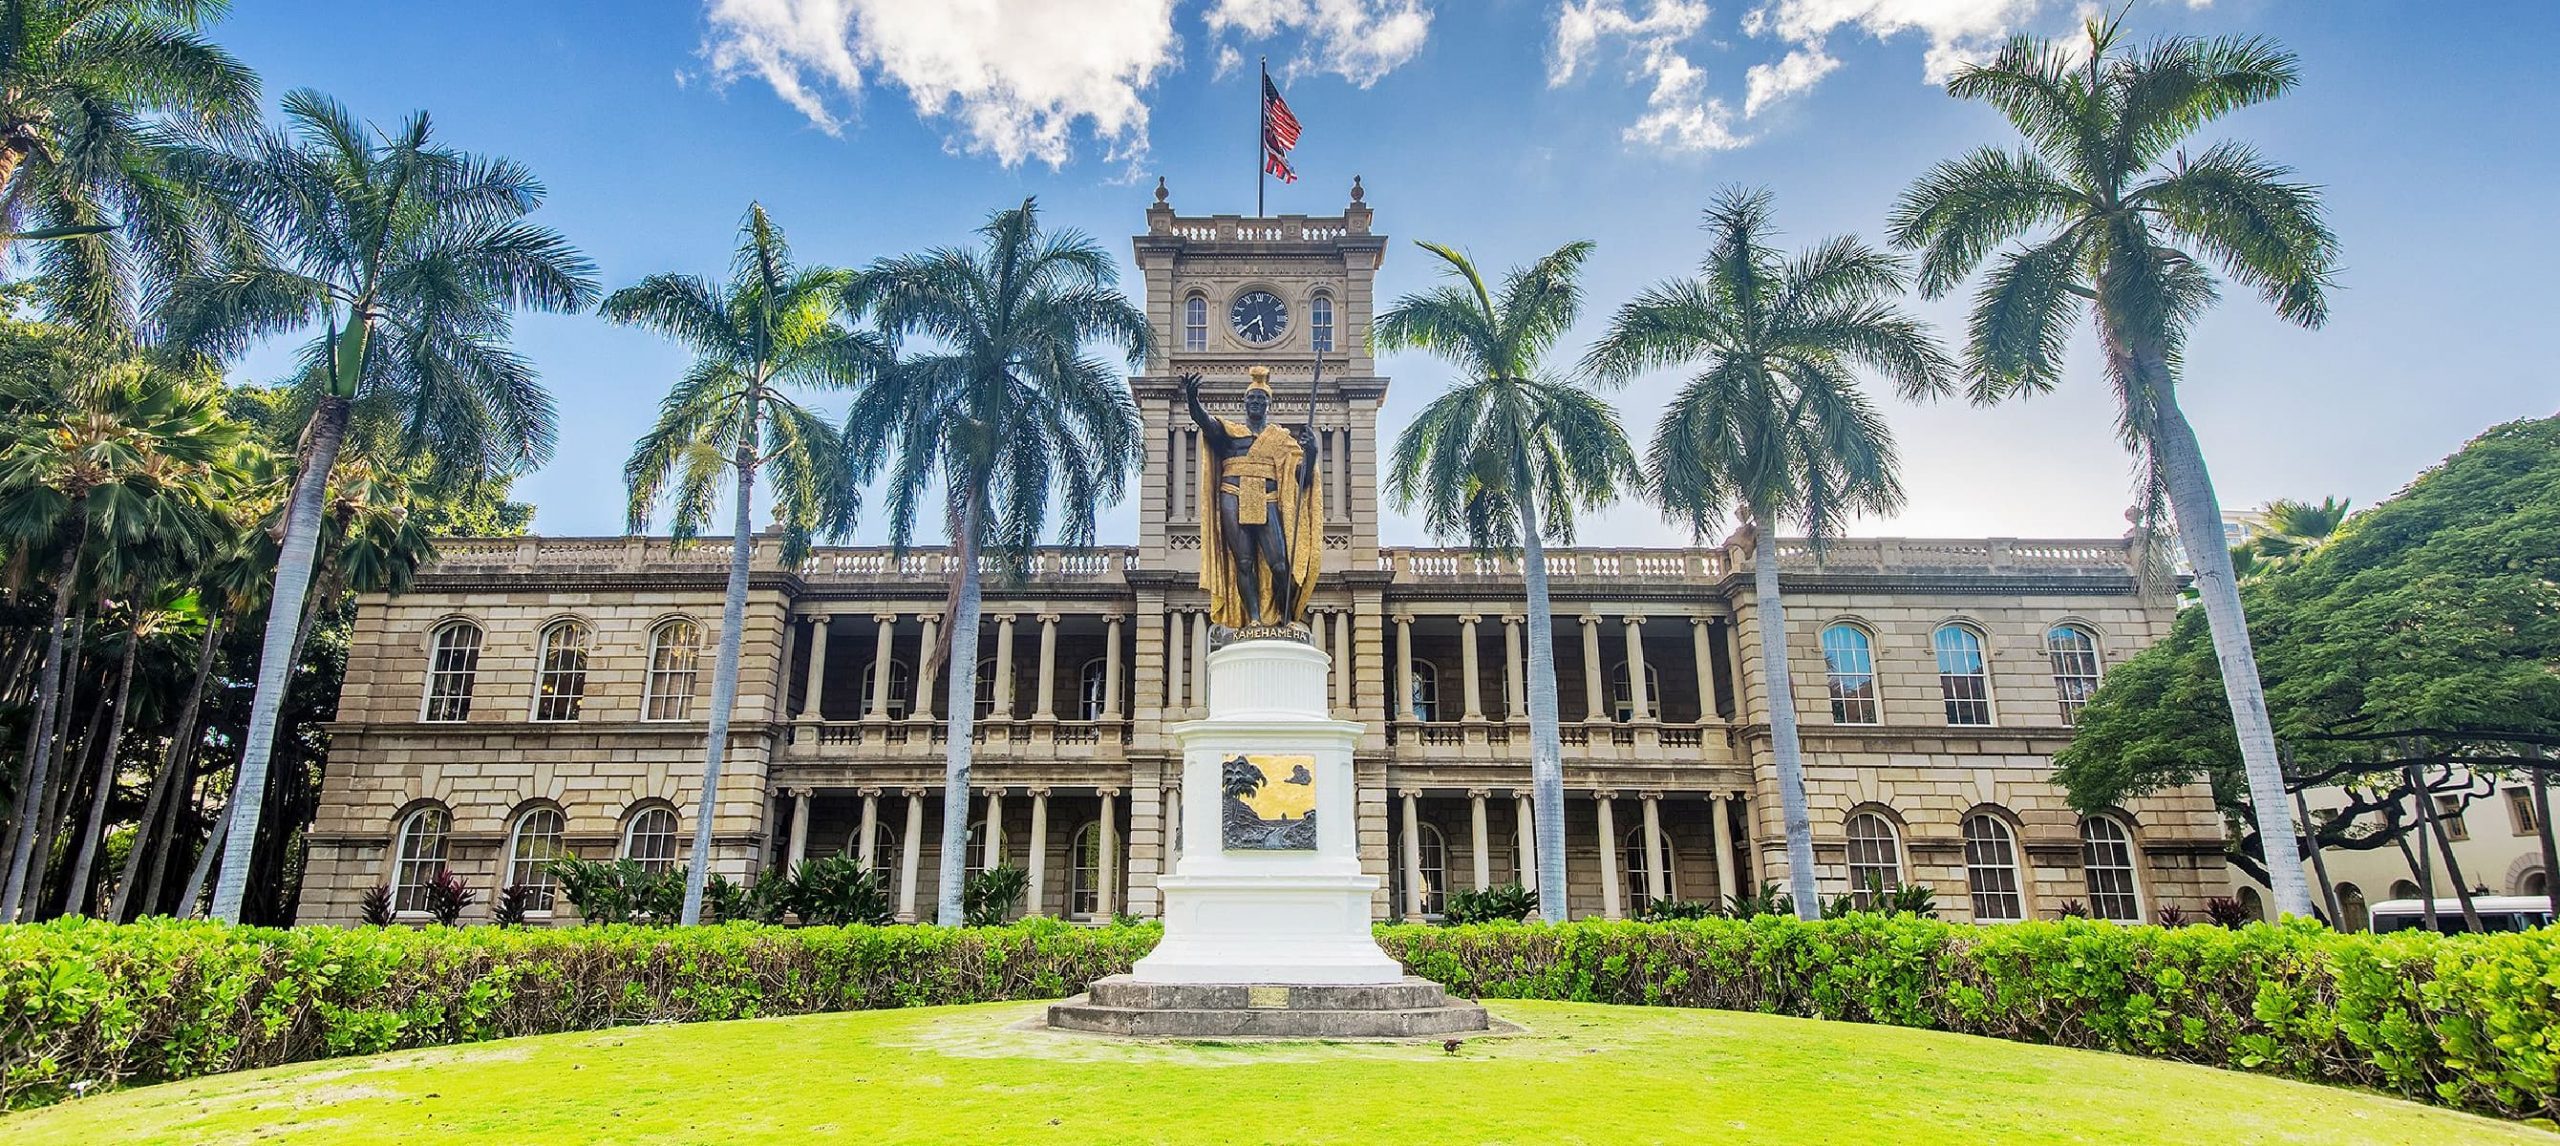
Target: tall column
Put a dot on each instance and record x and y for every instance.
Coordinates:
(1515, 688)
(993, 853)
(799, 829)
(1200, 661)
(1110, 668)
(1702, 647)
(1045, 706)
(1174, 660)
(1483, 847)
(925, 641)
(1038, 868)
(910, 848)
(1595, 696)
(866, 846)
(1657, 866)
(879, 707)
(1639, 698)
(1610, 906)
(814, 690)
(1404, 667)
(1004, 666)
(1346, 663)
(1107, 865)
(1526, 826)
(1412, 852)
(1468, 668)
(1720, 806)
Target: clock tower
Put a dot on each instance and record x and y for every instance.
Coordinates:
(1226, 293)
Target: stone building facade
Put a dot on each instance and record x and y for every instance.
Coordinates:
(539, 693)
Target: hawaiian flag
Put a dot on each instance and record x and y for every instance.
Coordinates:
(1279, 133)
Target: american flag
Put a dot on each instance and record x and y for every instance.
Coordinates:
(1279, 133)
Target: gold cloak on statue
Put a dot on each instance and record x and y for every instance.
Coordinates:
(1267, 490)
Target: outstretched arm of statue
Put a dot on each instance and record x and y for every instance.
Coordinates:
(1211, 429)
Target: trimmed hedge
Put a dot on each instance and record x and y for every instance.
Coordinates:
(2463, 1020)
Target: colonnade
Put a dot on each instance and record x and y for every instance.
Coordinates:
(1643, 707)
(883, 656)
(1615, 897)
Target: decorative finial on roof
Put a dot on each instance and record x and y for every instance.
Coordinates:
(1161, 196)
(1357, 194)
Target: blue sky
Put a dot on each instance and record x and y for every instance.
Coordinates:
(874, 127)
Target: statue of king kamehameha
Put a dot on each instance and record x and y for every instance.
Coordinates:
(1259, 555)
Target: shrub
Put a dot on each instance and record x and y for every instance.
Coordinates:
(513, 905)
(448, 897)
(1655, 911)
(988, 897)
(1501, 903)
(376, 905)
(86, 1003)
(620, 891)
(1766, 901)
(2072, 909)
(2225, 911)
(831, 891)
(2172, 915)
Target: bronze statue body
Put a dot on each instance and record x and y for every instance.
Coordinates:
(1259, 551)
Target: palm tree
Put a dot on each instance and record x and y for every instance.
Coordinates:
(84, 85)
(1775, 421)
(1505, 459)
(1011, 417)
(410, 258)
(771, 326)
(2116, 219)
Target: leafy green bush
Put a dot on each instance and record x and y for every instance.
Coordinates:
(2462, 1020)
(832, 891)
(1501, 903)
(988, 897)
(620, 891)
(89, 1003)
(1658, 910)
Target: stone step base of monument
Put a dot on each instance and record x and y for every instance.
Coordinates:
(1411, 1008)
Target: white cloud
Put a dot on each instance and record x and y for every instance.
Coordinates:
(1797, 71)
(1013, 77)
(1679, 115)
(1359, 40)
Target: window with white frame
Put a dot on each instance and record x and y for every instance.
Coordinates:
(1875, 857)
(1426, 691)
(1991, 869)
(1084, 871)
(1622, 702)
(901, 687)
(986, 689)
(453, 665)
(650, 839)
(2074, 651)
(1195, 323)
(2520, 811)
(675, 660)
(1435, 871)
(2106, 856)
(1962, 678)
(560, 684)
(886, 854)
(1848, 659)
(1320, 322)
(419, 857)
(536, 842)
(1639, 866)
(1092, 692)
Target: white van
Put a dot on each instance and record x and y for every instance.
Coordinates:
(2497, 913)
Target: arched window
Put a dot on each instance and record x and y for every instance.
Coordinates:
(2106, 858)
(2075, 667)
(1092, 694)
(1875, 857)
(901, 687)
(1991, 869)
(886, 853)
(1848, 656)
(1962, 679)
(987, 689)
(675, 656)
(2404, 889)
(560, 685)
(419, 857)
(650, 838)
(2535, 882)
(2253, 907)
(1084, 871)
(452, 666)
(1426, 691)
(2351, 912)
(1320, 322)
(1195, 323)
(1640, 869)
(1435, 871)
(530, 850)
(1622, 704)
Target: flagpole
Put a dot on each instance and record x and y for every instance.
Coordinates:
(1261, 135)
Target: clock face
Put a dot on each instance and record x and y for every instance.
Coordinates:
(1258, 316)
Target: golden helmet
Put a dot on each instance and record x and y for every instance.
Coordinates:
(1258, 378)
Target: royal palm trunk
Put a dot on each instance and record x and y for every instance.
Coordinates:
(724, 676)
(76, 889)
(960, 727)
(150, 829)
(1546, 750)
(1786, 742)
(275, 653)
(39, 755)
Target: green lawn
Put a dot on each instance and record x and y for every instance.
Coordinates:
(962, 1074)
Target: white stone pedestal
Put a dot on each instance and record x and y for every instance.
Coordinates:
(1267, 917)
